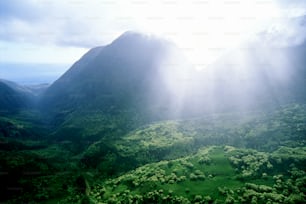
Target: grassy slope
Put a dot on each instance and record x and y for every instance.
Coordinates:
(184, 177)
(209, 174)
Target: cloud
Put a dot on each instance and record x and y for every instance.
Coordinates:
(67, 23)
(86, 24)
(292, 8)
(283, 32)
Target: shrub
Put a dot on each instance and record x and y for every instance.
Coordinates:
(229, 200)
(193, 177)
(204, 160)
(201, 177)
(197, 198)
(198, 172)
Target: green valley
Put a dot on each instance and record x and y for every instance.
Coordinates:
(202, 160)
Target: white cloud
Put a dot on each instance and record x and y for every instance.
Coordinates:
(200, 27)
(73, 23)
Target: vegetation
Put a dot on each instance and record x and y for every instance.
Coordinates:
(126, 125)
(225, 158)
(220, 180)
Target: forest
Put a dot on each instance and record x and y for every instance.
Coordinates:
(221, 158)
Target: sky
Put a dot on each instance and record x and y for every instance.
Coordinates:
(61, 31)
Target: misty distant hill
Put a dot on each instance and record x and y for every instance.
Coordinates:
(14, 97)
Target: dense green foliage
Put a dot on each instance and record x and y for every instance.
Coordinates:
(226, 158)
(208, 176)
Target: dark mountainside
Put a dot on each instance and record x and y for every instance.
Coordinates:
(14, 97)
(126, 75)
(124, 84)
(130, 123)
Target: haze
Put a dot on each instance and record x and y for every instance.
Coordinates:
(161, 101)
(60, 32)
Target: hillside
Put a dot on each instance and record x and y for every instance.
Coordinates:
(172, 161)
(116, 88)
(212, 175)
(14, 97)
(119, 77)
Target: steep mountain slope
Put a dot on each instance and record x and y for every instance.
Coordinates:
(117, 87)
(125, 75)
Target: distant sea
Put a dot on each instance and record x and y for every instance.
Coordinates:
(32, 74)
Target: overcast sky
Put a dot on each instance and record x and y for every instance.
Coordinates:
(61, 31)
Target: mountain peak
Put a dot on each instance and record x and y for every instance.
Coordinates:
(127, 69)
(139, 39)
(133, 34)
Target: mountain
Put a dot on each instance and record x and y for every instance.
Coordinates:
(14, 97)
(119, 86)
(138, 79)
